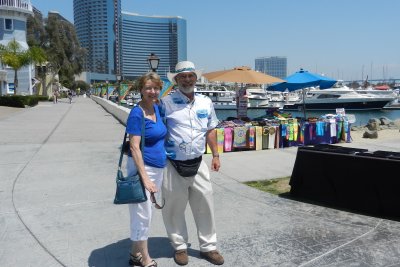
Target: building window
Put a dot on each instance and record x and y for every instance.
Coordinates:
(8, 24)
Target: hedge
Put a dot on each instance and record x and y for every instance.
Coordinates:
(20, 101)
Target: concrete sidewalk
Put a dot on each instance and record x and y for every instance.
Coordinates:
(57, 168)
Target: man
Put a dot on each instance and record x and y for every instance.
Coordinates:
(190, 119)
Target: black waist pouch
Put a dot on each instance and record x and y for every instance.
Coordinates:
(187, 168)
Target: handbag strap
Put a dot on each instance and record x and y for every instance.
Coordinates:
(124, 141)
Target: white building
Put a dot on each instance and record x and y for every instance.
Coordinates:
(13, 17)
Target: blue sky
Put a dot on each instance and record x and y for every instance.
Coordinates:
(343, 39)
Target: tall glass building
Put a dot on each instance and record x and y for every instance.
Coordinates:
(119, 43)
(274, 66)
(143, 35)
(97, 27)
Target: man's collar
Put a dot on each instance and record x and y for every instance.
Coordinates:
(185, 97)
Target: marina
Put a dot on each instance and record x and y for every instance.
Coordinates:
(362, 117)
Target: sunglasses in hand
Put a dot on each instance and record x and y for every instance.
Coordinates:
(154, 201)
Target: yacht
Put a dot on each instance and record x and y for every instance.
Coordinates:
(221, 97)
(338, 97)
(278, 99)
(132, 98)
(258, 97)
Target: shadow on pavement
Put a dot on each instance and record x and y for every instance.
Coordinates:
(117, 254)
(287, 195)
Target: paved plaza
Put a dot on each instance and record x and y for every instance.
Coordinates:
(57, 180)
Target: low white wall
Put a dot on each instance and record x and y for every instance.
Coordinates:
(119, 112)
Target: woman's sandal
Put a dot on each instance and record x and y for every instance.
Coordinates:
(135, 260)
(151, 264)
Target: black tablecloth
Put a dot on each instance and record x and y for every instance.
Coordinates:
(348, 178)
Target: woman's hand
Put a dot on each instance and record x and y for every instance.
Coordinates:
(150, 186)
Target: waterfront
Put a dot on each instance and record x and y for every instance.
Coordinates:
(362, 117)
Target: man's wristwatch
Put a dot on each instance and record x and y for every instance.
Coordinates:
(216, 155)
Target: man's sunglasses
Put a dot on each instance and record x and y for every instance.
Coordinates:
(154, 201)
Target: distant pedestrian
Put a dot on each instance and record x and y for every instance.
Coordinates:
(149, 163)
(55, 96)
(70, 96)
(190, 119)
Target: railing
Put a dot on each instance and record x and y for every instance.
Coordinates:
(22, 4)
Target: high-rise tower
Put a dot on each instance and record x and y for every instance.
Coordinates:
(274, 66)
(97, 24)
(143, 35)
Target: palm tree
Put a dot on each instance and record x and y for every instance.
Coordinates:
(16, 57)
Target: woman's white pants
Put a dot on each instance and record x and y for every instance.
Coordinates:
(140, 214)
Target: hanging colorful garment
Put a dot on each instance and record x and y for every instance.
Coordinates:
(239, 137)
(291, 132)
(333, 133)
(277, 136)
(265, 137)
(251, 132)
(333, 127)
(272, 136)
(339, 128)
(295, 131)
(346, 127)
(313, 133)
(320, 128)
(283, 130)
(228, 139)
(220, 140)
(302, 129)
(259, 137)
(327, 139)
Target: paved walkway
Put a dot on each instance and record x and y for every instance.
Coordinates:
(57, 169)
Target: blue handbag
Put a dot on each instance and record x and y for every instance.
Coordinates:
(130, 189)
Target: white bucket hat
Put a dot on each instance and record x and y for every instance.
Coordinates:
(181, 67)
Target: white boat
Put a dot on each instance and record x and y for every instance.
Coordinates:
(221, 97)
(258, 97)
(389, 93)
(369, 90)
(132, 98)
(278, 99)
(342, 97)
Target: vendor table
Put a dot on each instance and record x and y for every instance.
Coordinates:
(348, 178)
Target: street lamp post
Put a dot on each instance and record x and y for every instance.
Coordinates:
(119, 88)
(153, 61)
(107, 89)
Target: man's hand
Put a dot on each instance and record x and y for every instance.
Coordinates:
(215, 164)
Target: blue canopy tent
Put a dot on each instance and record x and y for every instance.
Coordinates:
(303, 79)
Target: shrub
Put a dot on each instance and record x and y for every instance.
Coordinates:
(12, 101)
(19, 101)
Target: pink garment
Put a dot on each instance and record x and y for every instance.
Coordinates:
(228, 139)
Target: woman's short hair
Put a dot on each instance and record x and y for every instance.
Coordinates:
(154, 77)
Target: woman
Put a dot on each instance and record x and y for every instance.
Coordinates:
(149, 163)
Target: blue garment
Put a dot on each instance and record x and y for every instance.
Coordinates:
(154, 151)
(320, 128)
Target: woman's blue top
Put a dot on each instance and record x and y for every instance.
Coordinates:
(155, 131)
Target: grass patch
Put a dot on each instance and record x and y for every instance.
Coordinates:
(274, 186)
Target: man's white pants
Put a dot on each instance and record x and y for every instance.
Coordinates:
(140, 214)
(196, 190)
